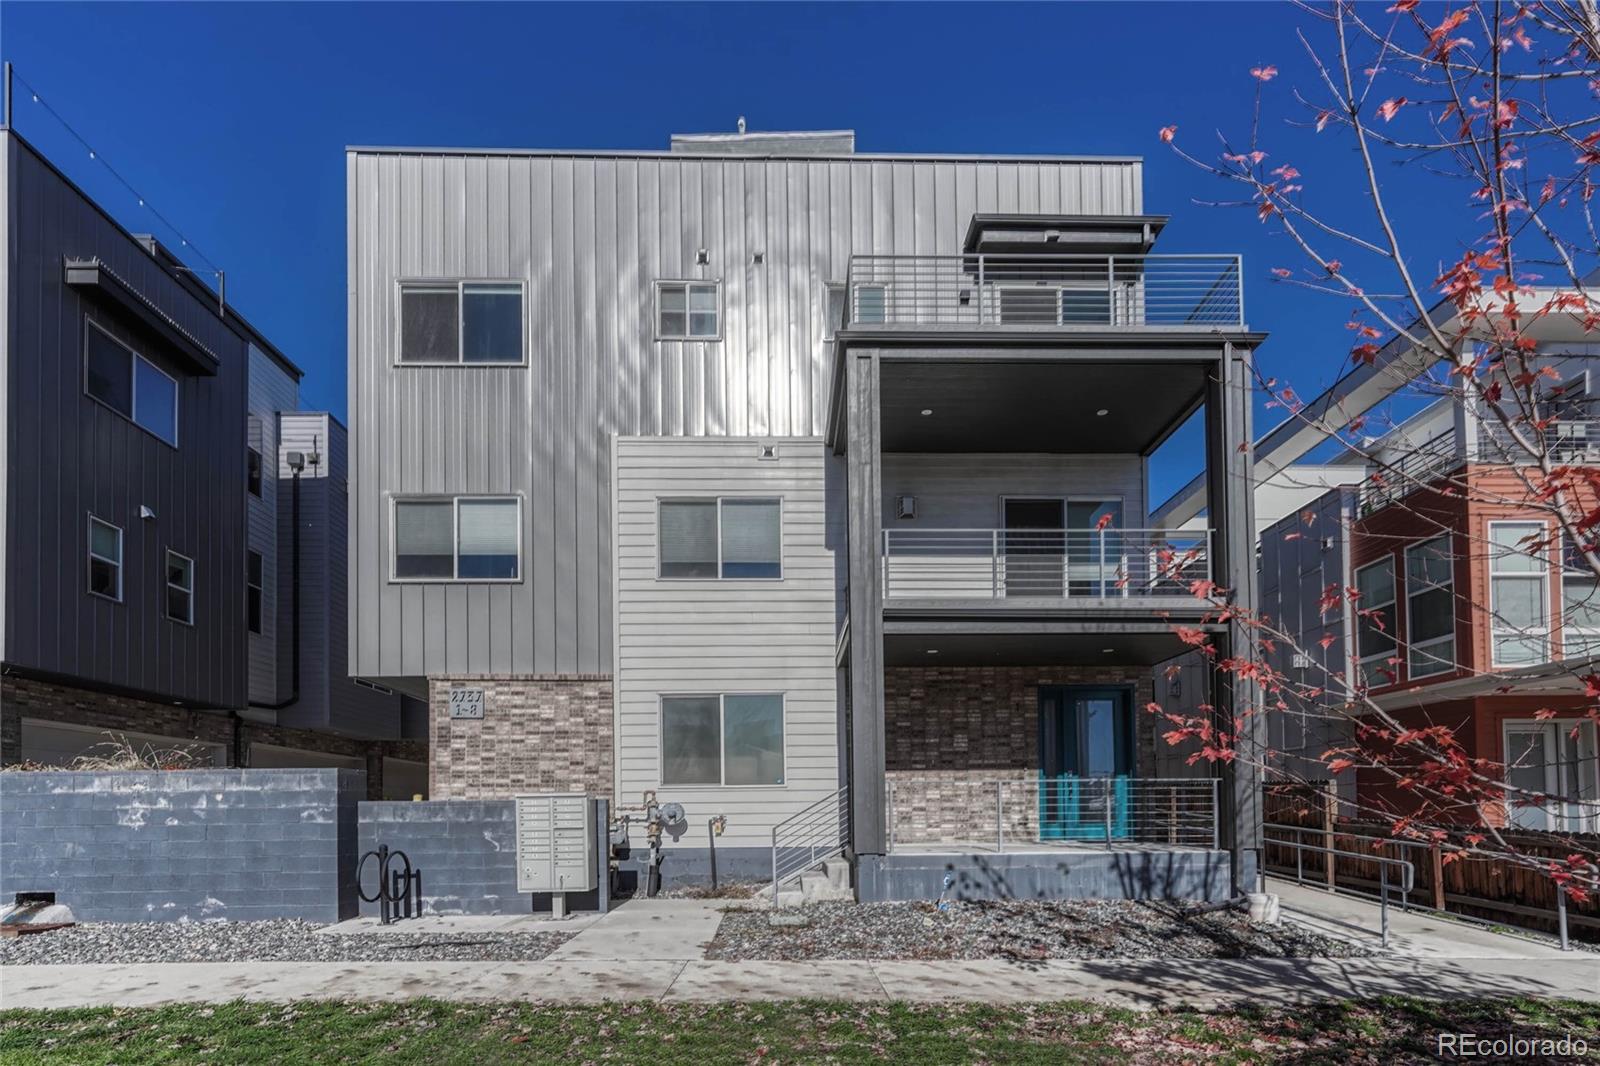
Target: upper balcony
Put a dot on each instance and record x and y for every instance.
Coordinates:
(1046, 293)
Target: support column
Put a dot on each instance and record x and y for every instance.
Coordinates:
(868, 827)
(1230, 506)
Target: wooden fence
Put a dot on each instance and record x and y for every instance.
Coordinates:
(1496, 890)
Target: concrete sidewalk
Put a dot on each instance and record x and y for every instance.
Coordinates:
(1158, 983)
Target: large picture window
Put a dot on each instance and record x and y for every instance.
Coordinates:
(458, 538)
(1519, 594)
(130, 384)
(728, 538)
(731, 739)
(688, 311)
(462, 322)
(1580, 605)
(1430, 608)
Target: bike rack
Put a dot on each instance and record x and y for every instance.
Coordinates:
(397, 889)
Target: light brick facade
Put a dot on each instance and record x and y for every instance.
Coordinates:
(537, 734)
(951, 732)
(45, 701)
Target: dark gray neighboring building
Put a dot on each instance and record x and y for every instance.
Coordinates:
(145, 542)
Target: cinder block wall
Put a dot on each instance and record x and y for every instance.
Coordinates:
(236, 844)
(537, 734)
(466, 852)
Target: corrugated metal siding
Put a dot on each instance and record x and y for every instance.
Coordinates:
(590, 236)
(272, 389)
(69, 456)
(727, 636)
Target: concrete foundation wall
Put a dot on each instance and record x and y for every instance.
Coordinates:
(1066, 874)
(236, 844)
(466, 852)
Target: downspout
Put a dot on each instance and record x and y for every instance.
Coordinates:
(297, 463)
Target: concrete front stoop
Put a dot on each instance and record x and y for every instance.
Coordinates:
(828, 880)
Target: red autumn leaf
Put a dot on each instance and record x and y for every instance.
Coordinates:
(1323, 117)
(1281, 272)
(1167, 133)
(1401, 6)
(1388, 108)
(1264, 73)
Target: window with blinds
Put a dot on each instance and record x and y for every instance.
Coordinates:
(459, 538)
(727, 538)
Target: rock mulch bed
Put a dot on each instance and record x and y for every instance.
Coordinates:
(288, 940)
(1018, 930)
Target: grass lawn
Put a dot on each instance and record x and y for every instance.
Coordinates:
(436, 1033)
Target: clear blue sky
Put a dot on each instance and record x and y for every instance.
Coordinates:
(232, 118)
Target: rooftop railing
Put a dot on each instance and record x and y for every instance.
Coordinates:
(1050, 563)
(1046, 292)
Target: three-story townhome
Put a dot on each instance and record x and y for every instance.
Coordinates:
(805, 489)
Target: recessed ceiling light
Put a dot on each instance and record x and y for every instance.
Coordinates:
(1103, 412)
(933, 651)
(926, 411)
(1108, 651)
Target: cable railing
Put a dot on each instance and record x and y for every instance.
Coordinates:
(1051, 809)
(1425, 463)
(811, 835)
(1043, 563)
(1045, 291)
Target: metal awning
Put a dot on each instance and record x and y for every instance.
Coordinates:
(95, 277)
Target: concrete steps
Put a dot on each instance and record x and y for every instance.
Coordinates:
(828, 880)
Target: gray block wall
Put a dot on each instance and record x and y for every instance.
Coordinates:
(1068, 874)
(170, 846)
(466, 852)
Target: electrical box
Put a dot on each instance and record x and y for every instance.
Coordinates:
(555, 843)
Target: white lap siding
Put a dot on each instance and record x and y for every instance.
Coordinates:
(693, 636)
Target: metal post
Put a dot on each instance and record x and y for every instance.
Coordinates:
(999, 816)
(888, 791)
(1216, 817)
(1111, 290)
(994, 564)
(981, 294)
(1100, 580)
(11, 92)
(1383, 886)
(1107, 789)
(774, 867)
(1299, 855)
(1561, 915)
(886, 562)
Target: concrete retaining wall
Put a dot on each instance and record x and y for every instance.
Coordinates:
(466, 851)
(1064, 874)
(188, 844)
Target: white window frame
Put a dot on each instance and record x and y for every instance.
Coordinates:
(261, 591)
(714, 284)
(1590, 637)
(90, 557)
(1541, 576)
(168, 587)
(1412, 646)
(1566, 818)
(722, 737)
(455, 537)
(1393, 605)
(135, 358)
(460, 285)
(718, 500)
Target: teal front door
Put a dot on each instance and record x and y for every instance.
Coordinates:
(1085, 759)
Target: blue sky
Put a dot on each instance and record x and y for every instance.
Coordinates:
(231, 119)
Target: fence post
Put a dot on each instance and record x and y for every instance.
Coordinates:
(1436, 855)
(1383, 911)
(1561, 915)
(1330, 803)
(1216, 816)
(1107, 788)
(999, 816)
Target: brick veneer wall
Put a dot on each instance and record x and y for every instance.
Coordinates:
(950, 732)
(184, 845)
(537, 734)
(22, 697)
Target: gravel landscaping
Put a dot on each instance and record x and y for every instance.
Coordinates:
(288, 940)
(1020, 930)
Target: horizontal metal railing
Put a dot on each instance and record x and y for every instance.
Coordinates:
(1002, 813)
(1565, 440)
(1033, 291)
(1406, 870)
(1048, 563)
(1421, 466)
(817, 832)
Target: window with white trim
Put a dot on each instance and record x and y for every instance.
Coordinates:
(1430, 608)
(130, 384)
(1580, 605)
(457, 538)
(1374, 609)
(1551, 768)
(253, 585)
(1519, 594)
(450, 323)
(731, 538)
(105, 559)
(728, 739)
(180, 588)
(688, 311)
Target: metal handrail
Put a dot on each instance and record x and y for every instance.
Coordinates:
(817, 832)
(1407, 870)
(1110, 563)
(1052, 291)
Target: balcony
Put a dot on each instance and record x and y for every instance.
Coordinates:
(1045, 293)
(1085, 566)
